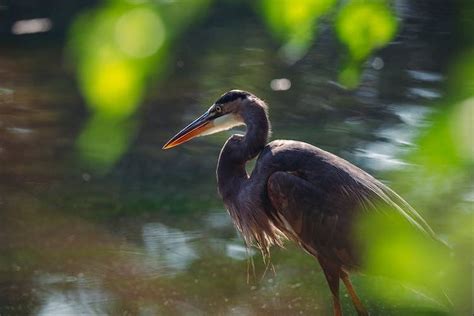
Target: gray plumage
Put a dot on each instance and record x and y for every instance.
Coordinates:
(294, 183)
(296, 191)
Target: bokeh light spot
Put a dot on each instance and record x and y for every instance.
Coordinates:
(282, 84)
(364, 26)
(32, 26)
(350, 76)
(112, 86)
(294, 23)
(104, 140)
(140, 32)
(394, 247)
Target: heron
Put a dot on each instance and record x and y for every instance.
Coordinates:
(295, 191)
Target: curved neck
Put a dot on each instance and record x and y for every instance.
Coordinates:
(238, 150)
(256, 137)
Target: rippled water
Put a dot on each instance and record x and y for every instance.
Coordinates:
(151, 236)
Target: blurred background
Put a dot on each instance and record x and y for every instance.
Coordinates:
(97, 219)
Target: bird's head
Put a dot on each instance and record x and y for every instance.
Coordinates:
(225, 113)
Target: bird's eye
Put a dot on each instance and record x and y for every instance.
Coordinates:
(218, 109)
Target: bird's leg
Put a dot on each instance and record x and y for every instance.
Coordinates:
(336, 305)
(333, 281)
(332, 274)
(361, 311)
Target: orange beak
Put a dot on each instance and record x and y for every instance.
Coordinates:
(196, 128)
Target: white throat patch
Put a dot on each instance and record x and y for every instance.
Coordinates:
(224, 123)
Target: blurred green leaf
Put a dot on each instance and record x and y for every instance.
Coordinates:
(364, 26)
(350, 75)
(448, 144)
(104, 140)
(294, 23)
(117, 47)
(395, 248)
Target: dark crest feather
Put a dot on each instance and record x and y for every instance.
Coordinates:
(232, 96)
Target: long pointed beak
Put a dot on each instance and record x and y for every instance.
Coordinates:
(196, 128)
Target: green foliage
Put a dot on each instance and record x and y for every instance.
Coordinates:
(447, 146)
(117, 48)
(443, 160)
(103, 140)
(294, 23)
(361, 25)
(364, 26)
(394, 247)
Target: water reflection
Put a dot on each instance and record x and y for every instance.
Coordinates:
(239, 251)
(63, 295)
(381, 156)
(395, 140)
(218, 219)
(424, 93)
(412, 115)
(425, 75)
(167, 247)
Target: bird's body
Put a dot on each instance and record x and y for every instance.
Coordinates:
(308, 195)
(289, 175)
(296, 191)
